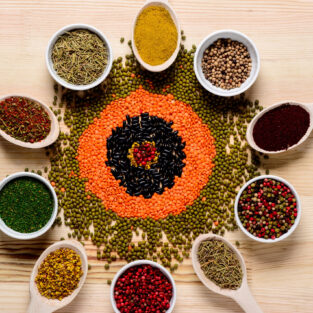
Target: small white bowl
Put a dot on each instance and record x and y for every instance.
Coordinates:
(233, 35)
(293, 227)
(143, 262)
(60, 80)
(169, 62)
(24, 236)
(50, 139)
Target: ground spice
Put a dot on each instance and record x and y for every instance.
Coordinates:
(24, 119)
(79, 57)
(59, 274)
(26, 204)
(166, 240)
(220, 264)
(143, 288)
(155, 35)
(267, 208)
(281, 127)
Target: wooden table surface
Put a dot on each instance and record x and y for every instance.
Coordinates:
(280, 275)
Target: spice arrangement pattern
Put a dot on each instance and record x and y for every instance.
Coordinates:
(92, 186)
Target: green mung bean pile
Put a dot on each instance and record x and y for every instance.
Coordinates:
(166, 240)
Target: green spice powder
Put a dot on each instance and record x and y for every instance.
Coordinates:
(26, 204)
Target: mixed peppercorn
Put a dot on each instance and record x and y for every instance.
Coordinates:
(142, 289)
(267, 208)
(168, 239)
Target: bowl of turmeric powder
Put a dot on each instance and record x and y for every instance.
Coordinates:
(156, 36)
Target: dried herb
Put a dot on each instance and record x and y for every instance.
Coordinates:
(220, 264)
(79, 57)
(24, 119)
(59, 274)
(26, 204)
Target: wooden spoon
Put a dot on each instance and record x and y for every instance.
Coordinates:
(51, 137)
(39, 303)
(242, 295)
(249, 133)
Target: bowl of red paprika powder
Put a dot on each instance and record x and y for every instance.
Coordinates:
(141, 284)
(267, 209)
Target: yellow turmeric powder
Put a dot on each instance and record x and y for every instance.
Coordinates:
(155, 35)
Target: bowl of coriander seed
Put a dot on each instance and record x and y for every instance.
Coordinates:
(227, 63)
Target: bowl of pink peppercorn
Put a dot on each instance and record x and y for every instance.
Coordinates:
(267, 209)
(143, 284)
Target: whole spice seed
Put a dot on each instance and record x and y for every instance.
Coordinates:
(59, 274)
(220, 264)
(267, 208)
(79, 57)
(155, 35)
(168, 240)
(143, 154)
(143, 288)
(26, 204)
(226, 63)
(281, 127)
(24, 119)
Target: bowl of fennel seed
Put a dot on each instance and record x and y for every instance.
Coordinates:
(79, 57)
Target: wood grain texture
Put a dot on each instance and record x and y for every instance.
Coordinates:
(280, 275)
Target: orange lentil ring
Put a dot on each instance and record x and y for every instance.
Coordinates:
(199, 150)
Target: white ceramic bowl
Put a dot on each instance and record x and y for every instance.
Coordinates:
(60, 80)
(168, 63)
(293, 227)
(143, 262)
(50, 139)
(234, 35)
(24, 236)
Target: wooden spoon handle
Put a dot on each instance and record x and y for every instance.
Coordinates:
(37, 307)
(246, 300)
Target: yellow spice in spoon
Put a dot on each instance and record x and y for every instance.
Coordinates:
(155, 35)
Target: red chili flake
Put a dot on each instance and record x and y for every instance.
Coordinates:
(24, 119)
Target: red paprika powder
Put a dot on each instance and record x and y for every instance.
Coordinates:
(281, 128)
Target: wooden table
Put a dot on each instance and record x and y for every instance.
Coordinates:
(280, 275)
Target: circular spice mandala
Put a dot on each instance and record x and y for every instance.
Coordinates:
(95, 195)
(183, 181)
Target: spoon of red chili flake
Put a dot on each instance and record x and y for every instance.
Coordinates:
(141, 289)
(267, 208)
(24, 119)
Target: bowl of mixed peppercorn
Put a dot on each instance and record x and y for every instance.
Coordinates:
(143, 284)
(267, 209)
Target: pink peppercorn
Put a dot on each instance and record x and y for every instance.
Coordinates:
(143, 289)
